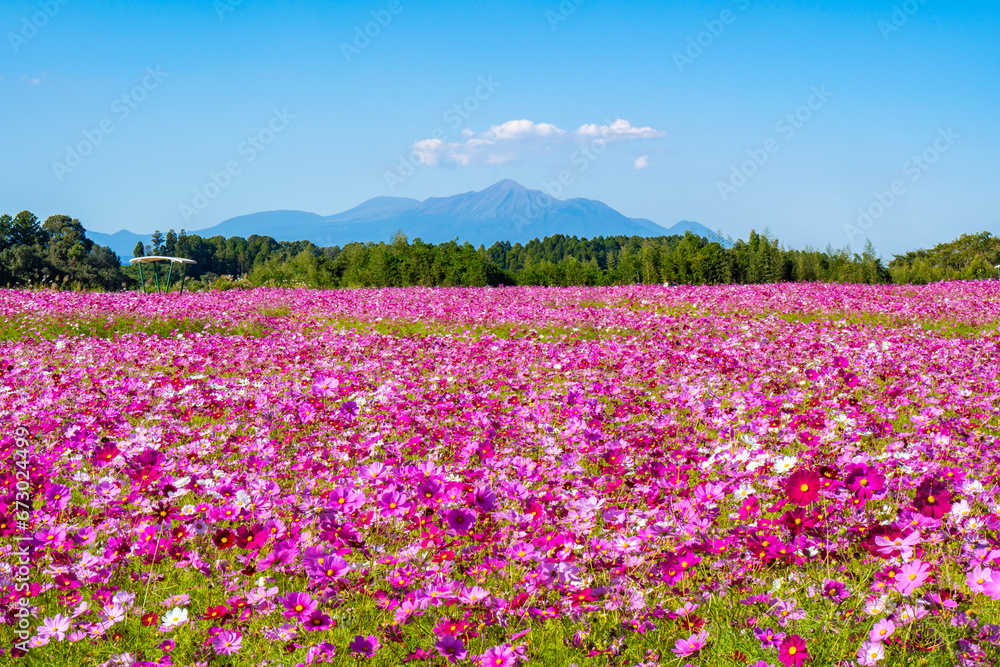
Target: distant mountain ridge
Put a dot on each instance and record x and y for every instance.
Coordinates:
(505, 211)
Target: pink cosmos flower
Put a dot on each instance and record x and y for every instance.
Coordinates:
(691, 645)
(882, 630)
(978, 577)
(768, 637)
(393, 503)
(991, 587)
(317, 621)
(903, 544)
(911, 576)
(227, 642)
(346, 500)
(325, 387)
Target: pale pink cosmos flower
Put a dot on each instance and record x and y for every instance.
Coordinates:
(991, 588)
(903, 544)
(882, 630)
(56, 626)
(979, 576)
(871, 653)
(911, 576)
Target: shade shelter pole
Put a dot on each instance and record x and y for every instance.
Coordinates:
(164, 286)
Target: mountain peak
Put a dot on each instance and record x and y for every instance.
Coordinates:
(504, 211)
(506, 185)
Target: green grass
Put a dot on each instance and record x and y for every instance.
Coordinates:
(52, 328)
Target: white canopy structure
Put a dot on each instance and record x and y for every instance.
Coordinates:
(154, 259)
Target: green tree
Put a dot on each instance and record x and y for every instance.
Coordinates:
(170, 245)
(138, 251)
(156, 242)
(6, 231)
(25, 230)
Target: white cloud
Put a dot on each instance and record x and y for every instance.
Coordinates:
(520, 129)
(513, 139)
(620, 129)
(642, 162)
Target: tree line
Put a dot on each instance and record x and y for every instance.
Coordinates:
(58, 251)
(55, 252)
(557, 260)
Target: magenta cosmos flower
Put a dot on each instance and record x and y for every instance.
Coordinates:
(802, 487)
(498, 656)
(364, 646)
(298, 605)
(864, 482)
(461, 520)
(451, 648)
(911, 576)
(793, 652)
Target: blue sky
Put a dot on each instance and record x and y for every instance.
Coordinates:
(737, 114)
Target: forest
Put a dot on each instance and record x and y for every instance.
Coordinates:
(58, 253)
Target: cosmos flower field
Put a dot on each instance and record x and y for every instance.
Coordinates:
(772, 475)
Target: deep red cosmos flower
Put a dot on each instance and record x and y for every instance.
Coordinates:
(933, 499)
(802, 487)
(224, 539)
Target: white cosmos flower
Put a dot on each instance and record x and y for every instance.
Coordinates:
(784, 464)
(960, 510)
(175, 617)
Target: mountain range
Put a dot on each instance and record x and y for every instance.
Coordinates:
(505, 211)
